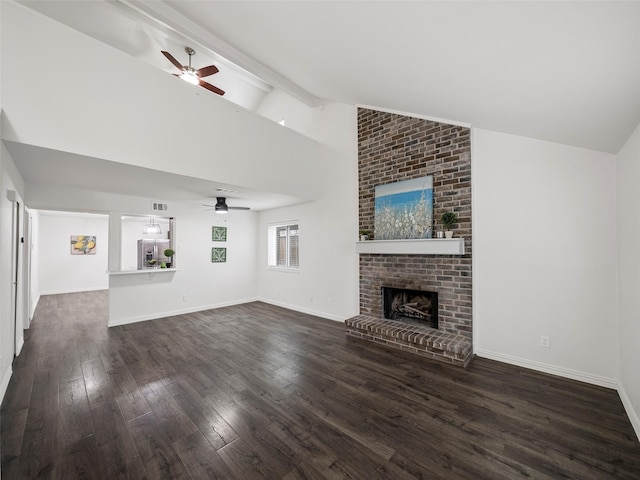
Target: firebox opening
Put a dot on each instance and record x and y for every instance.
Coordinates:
(412, 306)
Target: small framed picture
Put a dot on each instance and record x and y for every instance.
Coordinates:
(83, 244)
(218, 255)
(219, 234)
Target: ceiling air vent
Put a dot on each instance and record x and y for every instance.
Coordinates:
(159, 207)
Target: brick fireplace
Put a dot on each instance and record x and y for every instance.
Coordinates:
(393, 148)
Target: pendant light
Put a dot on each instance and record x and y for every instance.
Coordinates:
(152, 227)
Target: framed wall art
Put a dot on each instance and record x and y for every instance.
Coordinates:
(218, 255)
(404, 210)
(83, 244)
(219, 234)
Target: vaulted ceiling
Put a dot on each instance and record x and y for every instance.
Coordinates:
(566, 72)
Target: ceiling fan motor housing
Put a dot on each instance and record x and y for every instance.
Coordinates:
(221, 205)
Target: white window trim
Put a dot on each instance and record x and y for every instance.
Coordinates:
(276, 268)
(271, 249)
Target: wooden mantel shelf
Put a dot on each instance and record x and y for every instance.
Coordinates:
(432, 246)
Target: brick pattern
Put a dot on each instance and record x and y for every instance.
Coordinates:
(435, 344)
(392, 148)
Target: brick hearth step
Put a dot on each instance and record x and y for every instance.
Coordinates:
(426, 341)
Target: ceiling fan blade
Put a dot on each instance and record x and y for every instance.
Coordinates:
(172, 60)
(211, 88)
(238, 208)
(205, 205)
(206, 71)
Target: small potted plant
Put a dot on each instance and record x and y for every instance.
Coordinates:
(364, 235)
(449, 219)
(169, 253)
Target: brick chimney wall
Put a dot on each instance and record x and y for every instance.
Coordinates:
(392, 148)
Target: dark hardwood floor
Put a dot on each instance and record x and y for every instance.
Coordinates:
(260, 392)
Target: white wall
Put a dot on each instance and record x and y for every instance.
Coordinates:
(545, 256)
(136, 297)
(628, 163)
(327, 282)
(10, 180)
(278, 106)
(143, 296)
(61, 272)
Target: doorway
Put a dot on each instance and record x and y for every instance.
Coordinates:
(17, 291)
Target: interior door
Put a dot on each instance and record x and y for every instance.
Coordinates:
(15, 273)
(26, 268)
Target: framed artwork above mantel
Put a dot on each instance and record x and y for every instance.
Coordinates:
(404, 210)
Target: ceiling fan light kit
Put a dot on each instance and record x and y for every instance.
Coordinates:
(192, 75)
(221, 206)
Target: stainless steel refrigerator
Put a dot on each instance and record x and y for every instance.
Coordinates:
(151, 253)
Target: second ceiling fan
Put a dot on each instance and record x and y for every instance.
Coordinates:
(222, 207)
(193, 76)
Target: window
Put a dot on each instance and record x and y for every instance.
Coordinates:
(283, 246)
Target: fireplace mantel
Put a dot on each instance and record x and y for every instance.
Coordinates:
(432, 246)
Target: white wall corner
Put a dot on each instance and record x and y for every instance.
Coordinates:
(34, 307)
(307, 311)
(5, 383)
(184, 311)
(634, 418)
(71, 290)
(550, 369)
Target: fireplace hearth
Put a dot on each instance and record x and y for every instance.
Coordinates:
(412, 306)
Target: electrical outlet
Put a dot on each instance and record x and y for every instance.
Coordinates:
(544, 341)
(185, 298)
(310, 299)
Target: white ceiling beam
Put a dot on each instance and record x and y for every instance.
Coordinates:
(163, 14)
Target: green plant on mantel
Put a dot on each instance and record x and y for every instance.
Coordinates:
(365, 233)
(449, 219)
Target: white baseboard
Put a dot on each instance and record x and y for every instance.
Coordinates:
(5, 383)
(154, 316)
(631, 413)
(552, 369)
(73, 290)
(308, 311)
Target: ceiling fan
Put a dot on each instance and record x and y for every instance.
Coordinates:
(193, 76)
(222, 207)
